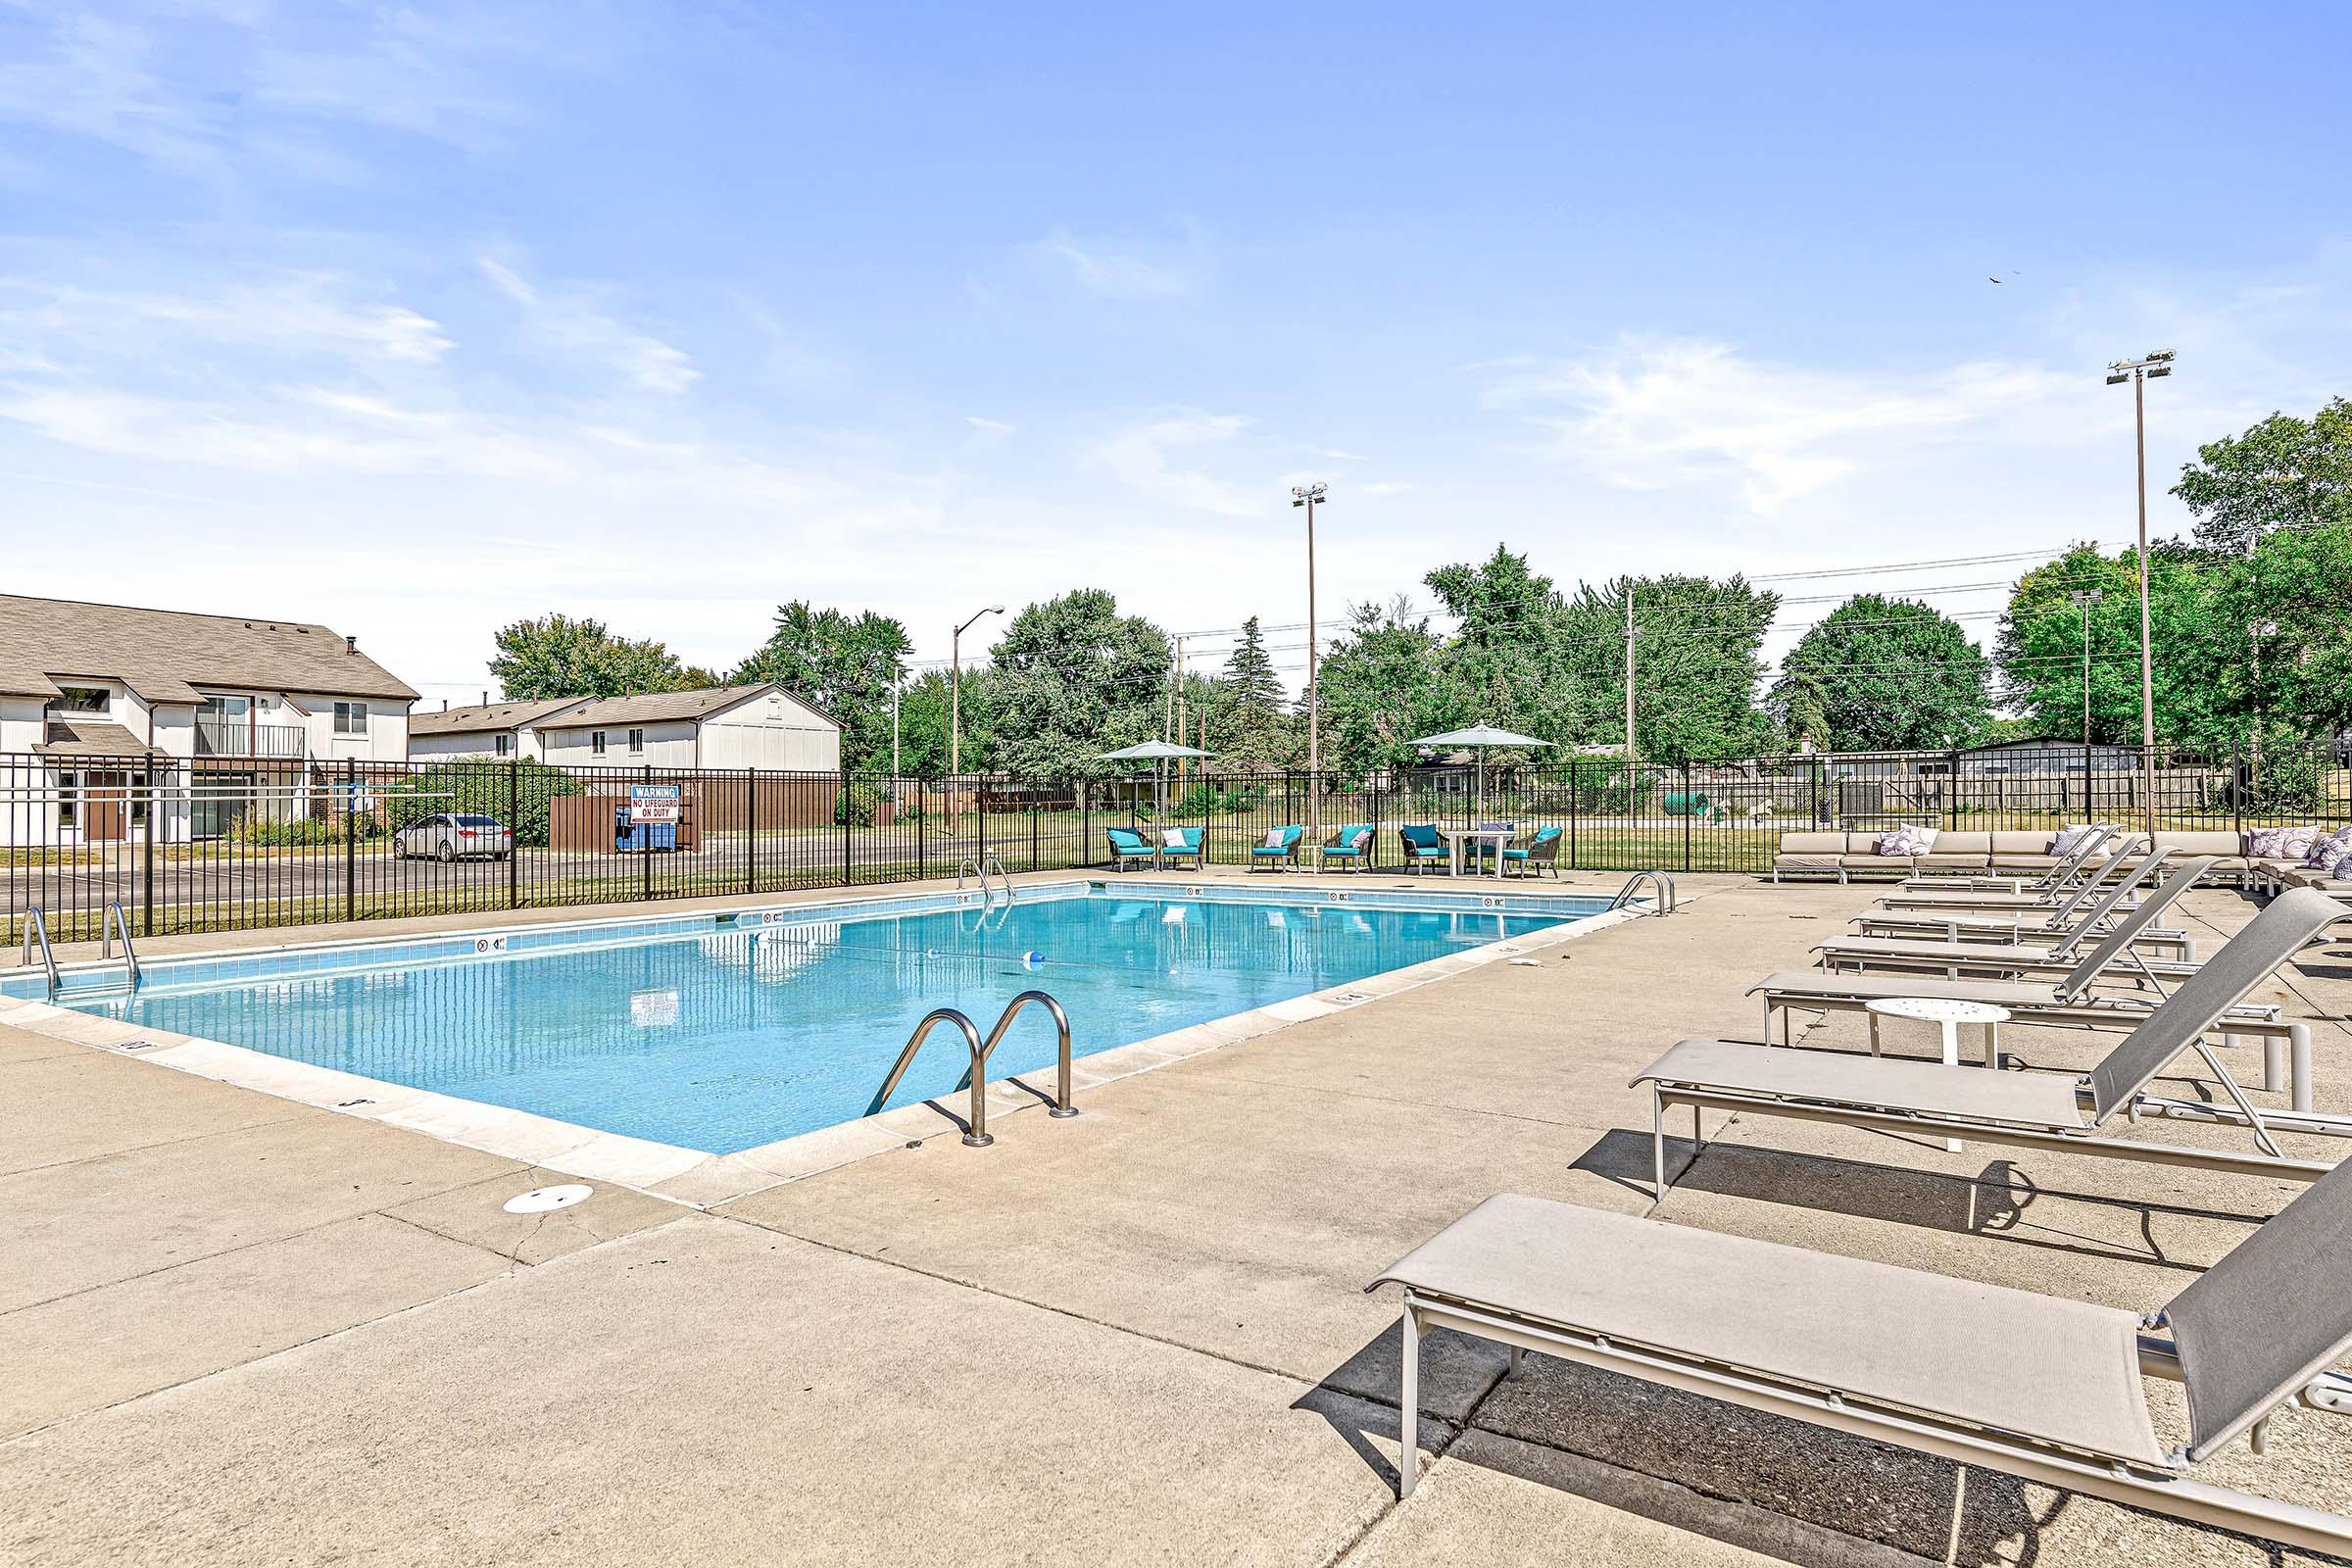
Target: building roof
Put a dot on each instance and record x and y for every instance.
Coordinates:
(165, 655)
(89, 737)
(657, 708)
(477, 719)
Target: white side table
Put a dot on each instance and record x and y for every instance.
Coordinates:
(1948, 1016)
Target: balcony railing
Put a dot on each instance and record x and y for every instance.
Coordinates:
(238, 737)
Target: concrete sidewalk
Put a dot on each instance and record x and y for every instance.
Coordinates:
(245, 1330)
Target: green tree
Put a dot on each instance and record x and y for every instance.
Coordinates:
(1071, 678)
(1897, 675)
(2282, 472)
(1249, 725)
(2291, 599)
(556, 655)
(2039, 646)
(1381, 687)
(1698, 658)
(842, 663)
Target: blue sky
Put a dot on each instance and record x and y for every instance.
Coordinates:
(416, 319)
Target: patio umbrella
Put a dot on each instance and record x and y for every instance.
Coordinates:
(1154, 752)
(1479, 736)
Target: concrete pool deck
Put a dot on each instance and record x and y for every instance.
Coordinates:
(243, 1329)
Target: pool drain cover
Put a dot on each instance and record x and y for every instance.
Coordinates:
(539, 1199)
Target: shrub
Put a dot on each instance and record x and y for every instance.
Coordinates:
(514, 792)
(858, 805)
(2288, 784)
(295, 832)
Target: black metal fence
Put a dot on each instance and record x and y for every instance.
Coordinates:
(223, 844)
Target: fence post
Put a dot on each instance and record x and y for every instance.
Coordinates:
(1033, 824)
(750, 830)
(351, 839)
(921, 870)
(514, 832)
(844, 810)
(645, 847)
(1574, 785)
(1952, 782)
(2237, 793)
(147, 853)
(1686, 814)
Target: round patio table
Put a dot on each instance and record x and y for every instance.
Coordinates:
(1947, 1015)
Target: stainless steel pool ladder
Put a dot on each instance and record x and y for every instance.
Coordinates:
(36, 927)
(1664, 904)
(980, 869)
(975, 1133)
(117, 920)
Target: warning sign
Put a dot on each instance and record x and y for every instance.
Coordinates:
(653, 803)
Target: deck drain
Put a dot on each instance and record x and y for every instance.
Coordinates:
(138, 1045)
(540, 1199)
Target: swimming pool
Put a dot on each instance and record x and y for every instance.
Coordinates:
(721, 1033)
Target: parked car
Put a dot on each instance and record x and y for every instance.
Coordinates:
(449, 836)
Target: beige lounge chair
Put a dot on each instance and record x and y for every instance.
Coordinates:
(2031, 1110)
(2020, 960)
(2039, 1387)
(2118, 864)
(2067, 866)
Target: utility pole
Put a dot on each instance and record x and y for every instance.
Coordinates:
(897, 679)
(2137, 372)
(1630, 635)
(2086, 598)
(1308, 496)
(1180, 710)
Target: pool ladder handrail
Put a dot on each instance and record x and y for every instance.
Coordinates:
(117, 920)
(1663, 906)
(37, 926)
(980, 869)
(975, 1133)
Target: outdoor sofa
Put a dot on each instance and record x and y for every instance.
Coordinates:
(1849, 857)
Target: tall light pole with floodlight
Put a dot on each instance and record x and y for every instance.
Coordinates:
(2086, 598)
(1310, 496)
(956, 697)
(2139, 372)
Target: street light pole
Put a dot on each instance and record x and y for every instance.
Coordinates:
(2137, 372)
(955, 701)
(1308, 496)
(2087, 597)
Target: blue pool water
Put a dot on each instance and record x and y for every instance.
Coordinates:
(721, 1038)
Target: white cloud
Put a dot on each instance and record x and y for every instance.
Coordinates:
(297, 312)
(1111, 269)
(568, 321)
(1656, 414)
(1141, 457)
(988, 426)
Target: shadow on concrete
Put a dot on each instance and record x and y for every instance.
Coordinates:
(1762, 1483)
(1995, 1202)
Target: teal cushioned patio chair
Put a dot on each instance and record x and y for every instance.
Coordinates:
(1126, 843)
(1187, 845)
(1350, 846)
(1283, 851)
(1424, 847)
(1540, 853)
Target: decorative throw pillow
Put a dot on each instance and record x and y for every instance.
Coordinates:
(1361, 836)
(2328, 849)
(2282, 843)
(1171, 838)
(1273, 839)
(2070, 839)
(1906, 841)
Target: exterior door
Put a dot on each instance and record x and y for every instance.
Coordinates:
(103, 814)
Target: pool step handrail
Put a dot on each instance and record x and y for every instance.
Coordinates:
(37, 927)
(1062, 1105)
(976, 1132)
(976, 1079)
(989, 862)
(980, 869)
(1662, 905)
(117, 920)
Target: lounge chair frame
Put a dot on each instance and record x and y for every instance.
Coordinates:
(2165, 1492)
(2056, 876)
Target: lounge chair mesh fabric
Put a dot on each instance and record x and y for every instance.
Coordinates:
(1875, 1083)
(2269, 940)
(2125, 932)
(2062, 1371)
(2268, 1315)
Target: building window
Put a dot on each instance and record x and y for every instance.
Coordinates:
(64, 798)
(596, 742)
(351, 718)
(79, 700)
(636, 742)
(505, 745)
(138, 799)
